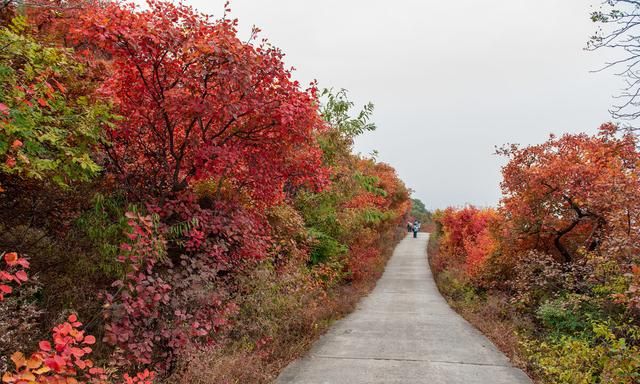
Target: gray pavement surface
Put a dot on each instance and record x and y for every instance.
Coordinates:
(404, 332)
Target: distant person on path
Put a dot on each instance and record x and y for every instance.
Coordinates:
(416, 228)
(409, 226)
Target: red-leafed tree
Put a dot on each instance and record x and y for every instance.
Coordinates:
(572, 192)
(468, 236)
(197, 103)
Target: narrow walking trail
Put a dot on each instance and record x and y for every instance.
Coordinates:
(404, 332)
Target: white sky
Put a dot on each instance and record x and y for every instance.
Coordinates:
(450, 79)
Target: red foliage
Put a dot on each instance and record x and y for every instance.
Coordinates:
(60, 361)
(64, 361)
(218, 229)
(363, 254)
(198, 104)
(468, 235)
(131, 316)
(164, 305)
(573, 192)
(144, 377)
(14, 273)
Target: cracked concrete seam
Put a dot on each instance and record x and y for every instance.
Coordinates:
(404, 359)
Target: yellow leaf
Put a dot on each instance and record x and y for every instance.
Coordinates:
(42, 370)
(34, 362)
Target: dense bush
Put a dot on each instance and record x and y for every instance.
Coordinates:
(467, 236)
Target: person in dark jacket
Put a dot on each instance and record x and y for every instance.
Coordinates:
(416, 228)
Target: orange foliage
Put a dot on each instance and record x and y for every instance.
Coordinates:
(576, 191)
(64, 361)
(57, 363)
(468, 235)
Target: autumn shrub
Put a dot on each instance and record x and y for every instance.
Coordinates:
(467, 236)
(240, 120)
(573, 193)
(277, 302)
(162, 305)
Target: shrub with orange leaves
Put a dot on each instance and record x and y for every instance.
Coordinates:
(61, 362)
(558, 259)
(467, 236)
(574, 192)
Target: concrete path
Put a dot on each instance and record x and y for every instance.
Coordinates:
(404, 332)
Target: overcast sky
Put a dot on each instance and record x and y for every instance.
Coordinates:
(450, 79)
